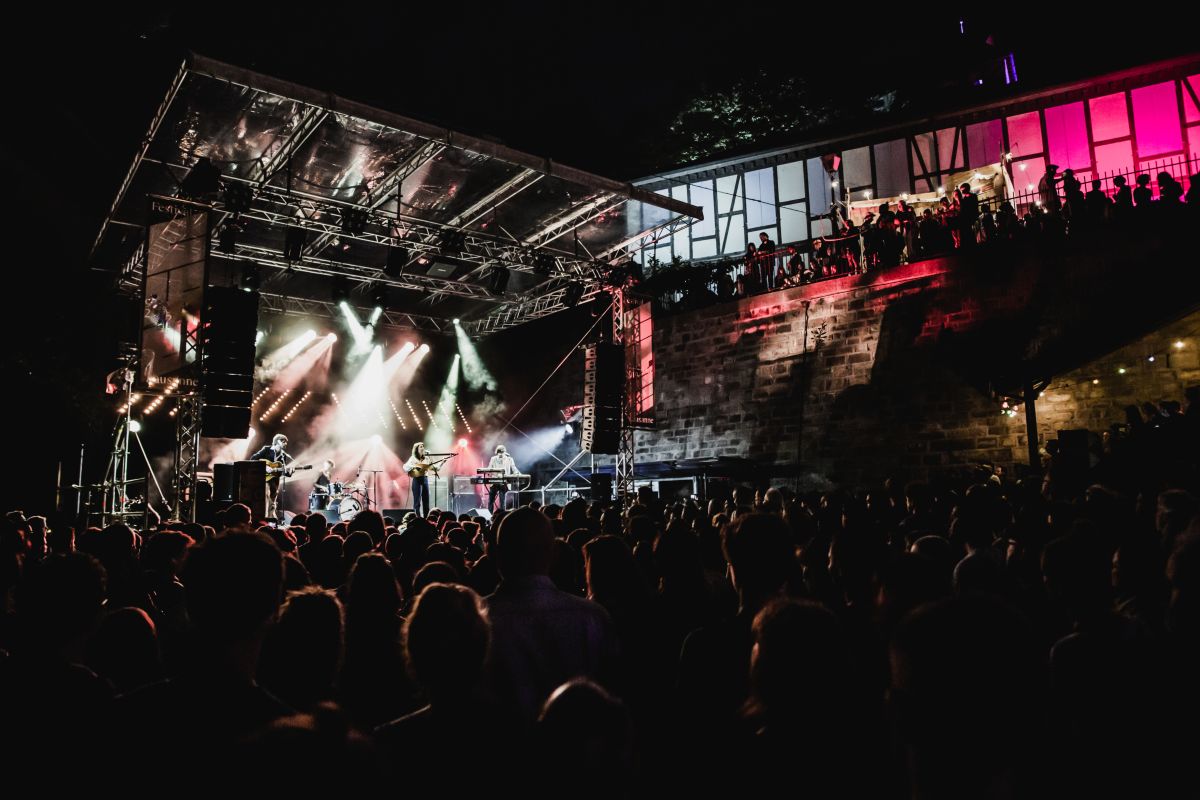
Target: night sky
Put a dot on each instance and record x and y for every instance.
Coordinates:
(594, 91)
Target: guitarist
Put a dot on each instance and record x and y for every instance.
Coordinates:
(274, 453)
(417, 466)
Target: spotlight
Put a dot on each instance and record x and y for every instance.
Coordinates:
(497, 279)
(462, 442)
(379, 295)
(397, 258)
(451, 242)
(456, 321)
(1178, 344)
(572, 294)
(238, 197)
(293, 244)
(331, 336)
(340, 291)
(354, 221)
(251, 277)
(203, 179)
(543, 264)
(376, 440)
(135, 426)
(1150, 359)
(227, 238)
(570, 429)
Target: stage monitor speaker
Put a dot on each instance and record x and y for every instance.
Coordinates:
(602, 486)
(679, 489)
(479, 512)
(250, 485)
(223, 483)
(397, 514)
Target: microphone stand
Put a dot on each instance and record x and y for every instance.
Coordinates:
(437, 474)
(374, 485)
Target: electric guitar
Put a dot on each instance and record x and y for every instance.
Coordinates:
(277, 468)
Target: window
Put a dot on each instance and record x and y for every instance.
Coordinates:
(793, 221)
(1067, 139)
(819, 189)
(1025, 134)
(985, 143)
(1156, 120)
(791, 181)
(1110, 117)
(891, 168)
(1114, 157)
(856, 166)
(733, 234)
(729, 194)
(760, 198)
(702, 196)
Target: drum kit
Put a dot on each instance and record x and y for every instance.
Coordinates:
(344, 500)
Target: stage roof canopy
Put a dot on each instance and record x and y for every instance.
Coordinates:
(443, 224)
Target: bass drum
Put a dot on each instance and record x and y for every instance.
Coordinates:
(318, 501)
(347, 508)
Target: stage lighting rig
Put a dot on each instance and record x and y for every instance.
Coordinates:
(202, 180)
(237, 197)
(354, 221)
(397, 258)
(293, 244)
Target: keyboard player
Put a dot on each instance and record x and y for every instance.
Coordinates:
(501, 464)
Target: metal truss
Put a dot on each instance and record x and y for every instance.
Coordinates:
(626, 442)
(187, 457)
(550, 301)
(273, 303)
(279, 207)
(310, 122)
(572, 220)
(485, 205)
(269, 257)
(526, 310)
(382, 191)
(645, 239)
(575, 218)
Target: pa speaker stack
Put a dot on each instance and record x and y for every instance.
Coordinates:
(603, 386)
(227, 332)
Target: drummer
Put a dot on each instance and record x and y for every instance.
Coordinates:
(322, 487)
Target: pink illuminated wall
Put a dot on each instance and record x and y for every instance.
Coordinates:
(1114, 157)
(1156, 120)
(1110, 116)
(1191, 99)
(1025, 134)
(1067, 137)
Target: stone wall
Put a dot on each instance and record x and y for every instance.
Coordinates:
(895, 373)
